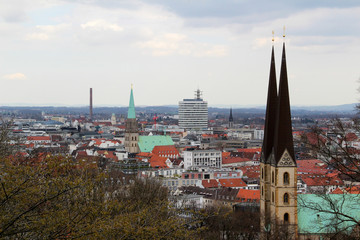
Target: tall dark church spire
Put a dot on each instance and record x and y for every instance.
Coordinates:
(283, 131)
(231, 119)
(278, 171)
(271, 112)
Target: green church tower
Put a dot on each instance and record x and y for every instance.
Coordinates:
(131, 128)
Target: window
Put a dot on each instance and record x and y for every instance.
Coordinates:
(262, 173)
(273, 197)
(272, 177)
(286, 178)
(286, 218)
(286, 198)
(262, 191)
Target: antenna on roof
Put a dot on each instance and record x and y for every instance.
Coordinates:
(198, 94)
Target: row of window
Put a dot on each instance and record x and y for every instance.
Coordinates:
(206, 154)
(132, 138)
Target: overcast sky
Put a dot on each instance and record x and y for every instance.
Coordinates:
(53, 51)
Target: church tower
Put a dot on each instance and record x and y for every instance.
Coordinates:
(278, 177)
(131, 128)
(231, 120)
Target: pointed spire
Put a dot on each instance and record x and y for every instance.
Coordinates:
(131, 110)
(283, 131)
(231, 116)
(271, 111)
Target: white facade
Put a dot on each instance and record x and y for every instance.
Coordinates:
(193, 114)
(202, 158)
(258, 134)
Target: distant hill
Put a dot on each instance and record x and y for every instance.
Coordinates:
(336, 108)
(313, 111)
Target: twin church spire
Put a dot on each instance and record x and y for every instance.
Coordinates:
(278, 171)
(278, 129)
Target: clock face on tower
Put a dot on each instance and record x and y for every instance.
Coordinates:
(286, 160)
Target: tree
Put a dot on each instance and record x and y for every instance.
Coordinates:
(221, 222)
(58, 198)
(7, 142)
(334, 143)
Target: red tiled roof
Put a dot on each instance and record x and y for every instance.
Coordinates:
(349, 190)
(321, 180)
(82, 153)
(225, 154)
(165, 150)
(311, 166)
(39, 138)
(337, 191)
(245, 195)
(315, 139)
(210, 183)
(350, 137)
(108, 154)
(353, 189)
(158, 162)
(229, 160)
(176, 161)
(232, 182)
(251, 171)
(250, 153)
(249, 150)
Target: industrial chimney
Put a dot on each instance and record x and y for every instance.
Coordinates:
(91, 106)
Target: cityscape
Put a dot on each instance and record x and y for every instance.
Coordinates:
(100, 166)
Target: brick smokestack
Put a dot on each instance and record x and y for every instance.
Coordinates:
(91, 105)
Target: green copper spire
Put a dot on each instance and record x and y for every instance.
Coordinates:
(131, 110)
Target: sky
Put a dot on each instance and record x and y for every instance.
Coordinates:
(53, 51)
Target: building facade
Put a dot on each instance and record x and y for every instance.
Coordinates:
(202, 158)
(193, 113)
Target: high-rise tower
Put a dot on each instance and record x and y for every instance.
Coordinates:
(278, 179)
(193, 113)
(131, 128)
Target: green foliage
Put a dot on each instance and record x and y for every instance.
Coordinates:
(220, 222)
(57, 198)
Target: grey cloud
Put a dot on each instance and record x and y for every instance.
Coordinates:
(108, 4)
(14, 17)
(234, 8)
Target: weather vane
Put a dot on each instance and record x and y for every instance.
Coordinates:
(131, 86)
(284, 32)
(273, 38)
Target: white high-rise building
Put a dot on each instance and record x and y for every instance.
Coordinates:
(193, 113)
